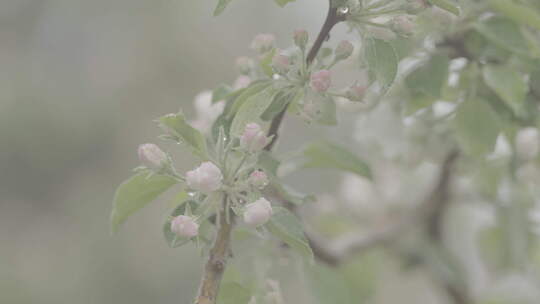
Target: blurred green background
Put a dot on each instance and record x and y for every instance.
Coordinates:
(80, 83)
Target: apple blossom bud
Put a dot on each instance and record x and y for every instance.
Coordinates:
(263, 42)
(205, 178)
(258, 212)
(320, 81)
(244, 64)
(254, 138)
(344, 50)
(301, 38)
(356, 92)
(258, 179)
(527, 143)
(241, 82)
(402, 25)
(280, 63)
(184, 226)
(151, 156)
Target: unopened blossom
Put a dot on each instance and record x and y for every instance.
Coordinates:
(301, 38)
(356, 92)
(280, 63)
(258, 212)
(263, 42)
(184, 226)
(241, 82)
(402, 25)
(205, 178)
(258, 179)
(320, 81)
(254, 138)
(527, 143)
(344, 50)
(151, 156)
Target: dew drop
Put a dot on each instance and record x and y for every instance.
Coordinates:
(343, 10)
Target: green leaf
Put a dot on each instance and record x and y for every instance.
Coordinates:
(509, 85)
(222, 4)
(287, 227)
(477, 127)
(281, 100)
(328, 115)
(517, 12)
(327, 155)
(430, 78)
(504, 33)
(233, 293)
(251, 110)
(176, 125)
(282, 3)
(135, 193)
(446, 5)
(253, 89)
(170, 237)
(382, 61)
(328, 285)
(221, 93)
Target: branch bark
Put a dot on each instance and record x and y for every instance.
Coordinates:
(217, 261)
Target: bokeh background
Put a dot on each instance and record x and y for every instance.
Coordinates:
(80, 83)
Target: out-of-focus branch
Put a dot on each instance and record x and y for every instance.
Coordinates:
(217, 260)
(340, 250)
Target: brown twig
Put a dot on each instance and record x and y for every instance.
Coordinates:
(215, 266)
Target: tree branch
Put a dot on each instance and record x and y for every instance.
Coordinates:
(217, 261)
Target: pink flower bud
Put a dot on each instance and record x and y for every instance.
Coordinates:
(344, 50)
(527, 143)
(321, 81)
(402, 25)
(356, 92)
(301, 38)
(241, 82)
(184, 226)
(280, 63)
(258, 212)
(254, 138)
(244, 64)
(263, 42)
(151, 156)
(206, 178)
(258, 179)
